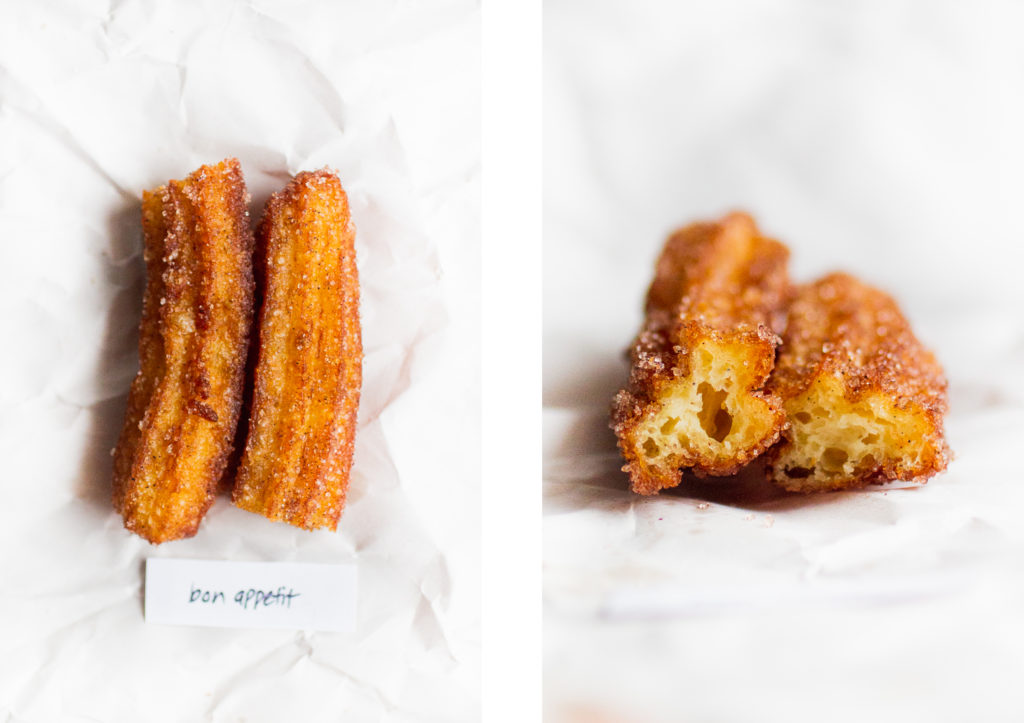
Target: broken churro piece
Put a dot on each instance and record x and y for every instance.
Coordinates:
(296, 463)
(696, 394)
(184, 403)
(864, 399)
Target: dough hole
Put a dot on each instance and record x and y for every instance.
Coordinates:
(833, 459)
(714, 417)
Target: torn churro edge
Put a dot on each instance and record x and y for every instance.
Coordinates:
(721, 285)
(850, 358)
(634, 405)
(291, 472)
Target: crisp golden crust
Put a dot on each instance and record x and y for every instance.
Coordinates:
(296, 463)
(695, 397)
(865, 399)
(724, 274)
(184, 403)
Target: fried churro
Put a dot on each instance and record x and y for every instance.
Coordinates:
(296, 463)
(865, 400)
(184, 403)
(696, 396)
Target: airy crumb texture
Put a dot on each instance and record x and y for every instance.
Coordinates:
(297, 458)
(864, 399)
(696, 394)
(184, 403)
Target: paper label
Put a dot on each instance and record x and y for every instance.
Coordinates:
(225, 594)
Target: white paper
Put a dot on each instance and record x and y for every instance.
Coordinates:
(99, 101)
(271, 595)
(880, 138)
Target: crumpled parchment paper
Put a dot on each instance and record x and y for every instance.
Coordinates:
(878, 138)
(99, 101)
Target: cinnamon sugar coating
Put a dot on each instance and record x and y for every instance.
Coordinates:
(696, 396)
(866, 400)
(184, 403)
(297, 458)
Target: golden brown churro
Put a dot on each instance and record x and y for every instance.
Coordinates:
(184, 403)
(696, 395)
(864, 399)
(295, 467)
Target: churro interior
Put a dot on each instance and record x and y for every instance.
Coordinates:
(709, 412)
(833, 439)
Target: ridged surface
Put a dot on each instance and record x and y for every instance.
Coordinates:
(184, 403)
(297, 458)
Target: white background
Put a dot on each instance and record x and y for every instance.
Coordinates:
(880, 138)
(99, 101)
(511, 360)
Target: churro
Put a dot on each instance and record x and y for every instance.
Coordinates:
(864, 399)
(298, 454)
(696, 396)
(184, 403)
